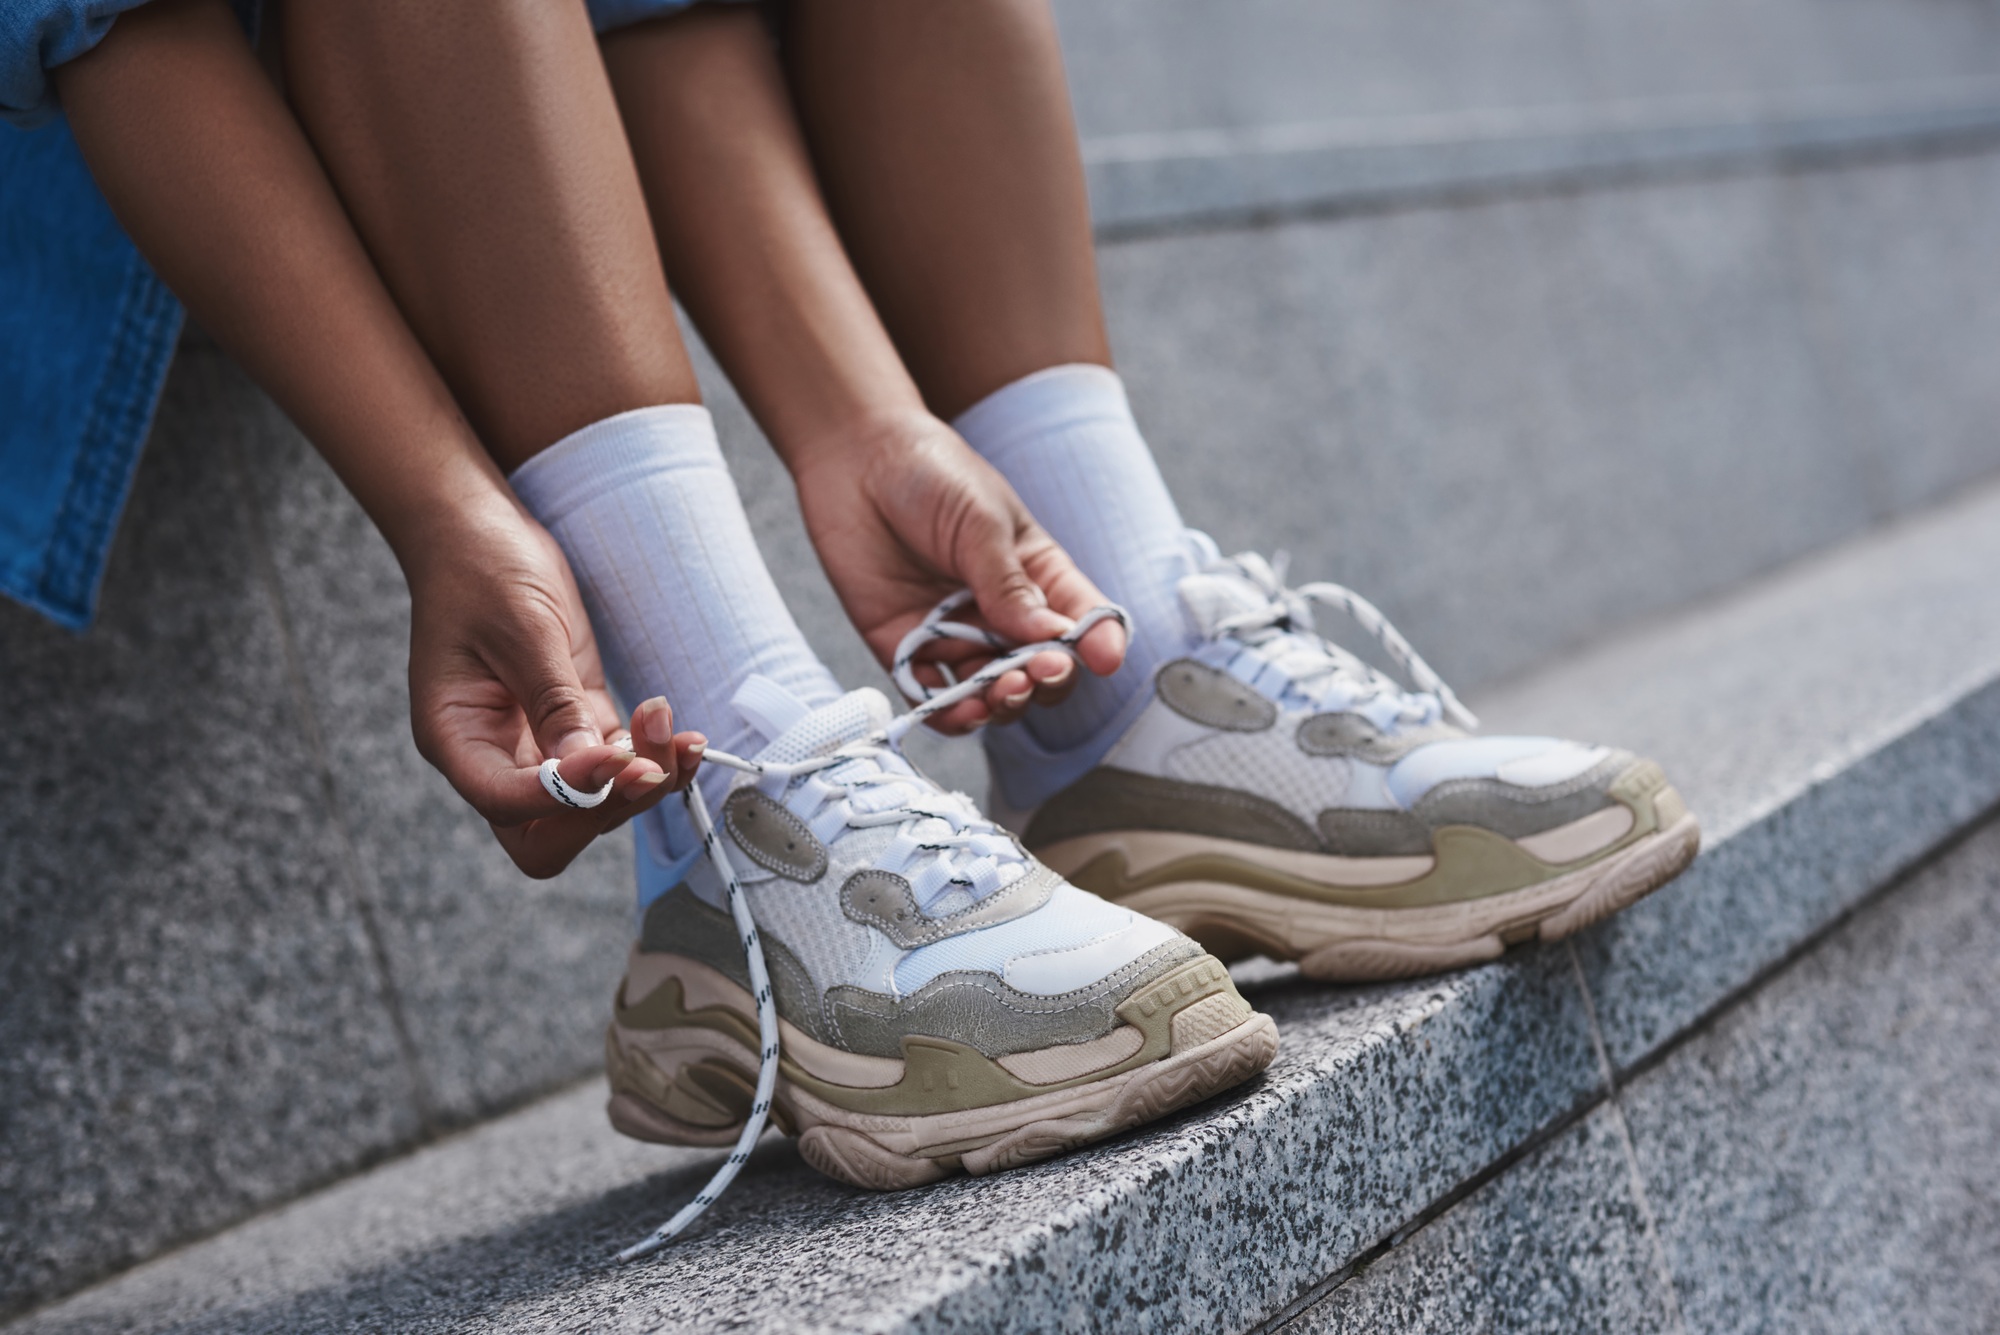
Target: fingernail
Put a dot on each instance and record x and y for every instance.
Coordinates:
(574, 742)
(697, 748)
(659, 722)
(1016, 701)
(646, 783)
(1061, 674)
(609, 768)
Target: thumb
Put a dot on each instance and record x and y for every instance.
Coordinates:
(544, 682)
(1012, 602)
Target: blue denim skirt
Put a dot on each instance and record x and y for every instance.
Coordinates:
(86, 329)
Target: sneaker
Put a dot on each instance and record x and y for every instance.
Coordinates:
(1278, 796)
(946, 1003)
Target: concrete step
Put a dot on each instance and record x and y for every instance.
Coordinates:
(1814, 1157)
(1831, 724)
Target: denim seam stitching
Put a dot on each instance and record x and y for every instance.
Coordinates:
(122, 407)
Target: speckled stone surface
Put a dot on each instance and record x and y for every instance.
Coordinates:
(1379, 1102)
(192, 1023)
(503, 981)
(1822, 1157)
(278, 850)
(1829, 725)
(1558, 1243)
(1819, 1157)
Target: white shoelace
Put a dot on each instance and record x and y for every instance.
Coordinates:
(960, 846)
(1316, 664)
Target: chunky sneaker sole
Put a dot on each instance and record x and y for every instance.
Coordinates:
(1275, 794)
(1364, 919)
(682, 1057)
(943, 1002)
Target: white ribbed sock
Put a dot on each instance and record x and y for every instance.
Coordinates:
(1066, 440)
(678, 593)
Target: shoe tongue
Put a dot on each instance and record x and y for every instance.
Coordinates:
(797, 731)
(1213, 595)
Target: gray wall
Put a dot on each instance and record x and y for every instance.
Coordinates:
(1520, 398)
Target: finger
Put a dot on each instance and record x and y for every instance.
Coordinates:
(510, 796)
(653, 736)
(1102, 648)
(636, 796)
(689, 747)
(1008, 696)
(964, 717)
(963, 658)
(506, 793)
(590, 769)
(1070, 593)
(542, 847)
(1054, 676)
(1012, 601)
(543, 681)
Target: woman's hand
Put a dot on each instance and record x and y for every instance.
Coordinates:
(904, 513)
(504, 671)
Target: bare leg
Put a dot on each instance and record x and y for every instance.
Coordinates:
(944, 141)
(947, 150)
(900, 511)
(477, 146)
(744, 233)
(210, 174)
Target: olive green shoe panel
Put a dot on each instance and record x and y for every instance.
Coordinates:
(1108, 799)
(942, 1076)
(668, 1007)
(1116, 799)
(681, 923)
(773, 837)
(1516, 812)
(1212, 697)
(884, 901)
(1374, 833)
(688, 1049)
(982, 1012)
(1469, 864)
(1466, 863)
(1346, 734)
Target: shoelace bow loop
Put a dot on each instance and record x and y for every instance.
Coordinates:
(1290, 611)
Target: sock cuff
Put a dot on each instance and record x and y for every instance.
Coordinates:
(1044, 401)
(614, 453)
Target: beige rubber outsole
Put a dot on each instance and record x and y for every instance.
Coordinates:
(1346, 944)
(884, 1153)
